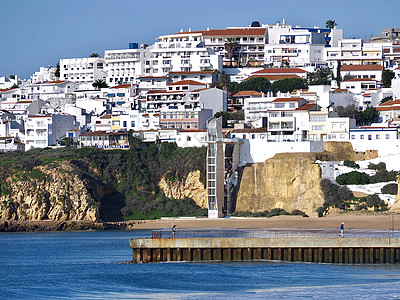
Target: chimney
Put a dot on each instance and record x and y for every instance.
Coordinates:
(181, 30)
(190, 29)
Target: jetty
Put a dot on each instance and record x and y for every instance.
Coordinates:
(319, 247)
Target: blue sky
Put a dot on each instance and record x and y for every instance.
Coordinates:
(39, 33)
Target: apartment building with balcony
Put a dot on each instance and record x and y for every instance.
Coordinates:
(120, 94)
(207, 77)
(105, 140)
(250, 44)
(185, 104)
(59, 89)
(83, 71)
(43, 131)
(325, 125)
(299, 47)
(124, 66)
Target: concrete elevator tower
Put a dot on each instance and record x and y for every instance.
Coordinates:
(222, 176)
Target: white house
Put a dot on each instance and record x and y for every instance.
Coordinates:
(43, 131)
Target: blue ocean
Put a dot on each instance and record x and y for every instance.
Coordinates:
(87, 265)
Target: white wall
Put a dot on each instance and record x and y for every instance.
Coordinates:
(255, 151)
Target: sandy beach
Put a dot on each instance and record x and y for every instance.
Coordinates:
(351, 221)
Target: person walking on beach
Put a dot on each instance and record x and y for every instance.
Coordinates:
(341, 230)
(173, 230)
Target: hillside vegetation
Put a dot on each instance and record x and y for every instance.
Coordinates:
(132, 176)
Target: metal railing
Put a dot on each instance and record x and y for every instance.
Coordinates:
(275, 233)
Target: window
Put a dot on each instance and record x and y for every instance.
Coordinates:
(377, 136)
(318, 119)
(317, 127)
(387, 136)
(132, 123)
(279, 105)
(361, 137)
(188, 138)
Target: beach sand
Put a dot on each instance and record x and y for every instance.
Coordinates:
(330, 221)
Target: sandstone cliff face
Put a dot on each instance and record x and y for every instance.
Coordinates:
(51, 193)
(396, 204)
(345, 151)
(285, 181)
(191, 187)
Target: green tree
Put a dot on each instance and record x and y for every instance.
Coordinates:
(94, 55)
(57, 72)
(349, 111)
(353, 177)
(288, 85)
(320, 76)
(330, 24)
(387, 77)
(223, 82)
(338, 77)
(230, 46)
(259, 84)
(99, 83)
(369, 115)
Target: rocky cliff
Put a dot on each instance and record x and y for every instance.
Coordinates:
(291, 181)
(396, 204)
(58, 193)
(191, 187)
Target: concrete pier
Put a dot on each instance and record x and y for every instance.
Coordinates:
(313, 249)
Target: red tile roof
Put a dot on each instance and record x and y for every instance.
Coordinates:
(187, 82)
(6, 90)
(246, 93)
(306, 106)
(280, 71)
(235, 32)
(387, 108)
(294, 99)
(361, 68)
(55, 81)
(121, 86)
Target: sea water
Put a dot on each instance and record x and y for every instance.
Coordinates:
(87, 265)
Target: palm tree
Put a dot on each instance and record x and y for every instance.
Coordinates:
(99, 83)
(330, 24)
(94, 55)
(230, 46)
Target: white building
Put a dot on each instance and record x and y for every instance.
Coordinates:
(43, 131)
(83, 71)
(44, 74)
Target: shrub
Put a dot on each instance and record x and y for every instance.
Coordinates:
(351, 164)
(373, 200)
(297, 212)
(353, 177)
(383, 176)
(378, 167)
(277, 212)
(390, 188)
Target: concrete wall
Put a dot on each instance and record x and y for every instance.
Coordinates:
(255, 151)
